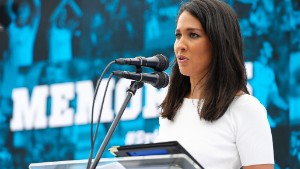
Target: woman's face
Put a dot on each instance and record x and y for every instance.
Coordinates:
(192, 47)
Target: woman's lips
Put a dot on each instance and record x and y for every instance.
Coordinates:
(182, 59)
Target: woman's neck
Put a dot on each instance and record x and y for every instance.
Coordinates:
(196, 88)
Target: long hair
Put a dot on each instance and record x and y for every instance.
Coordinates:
(227, 73)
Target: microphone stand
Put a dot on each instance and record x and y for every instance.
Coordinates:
(130, 92)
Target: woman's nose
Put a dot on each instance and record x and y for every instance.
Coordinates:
(180, 44)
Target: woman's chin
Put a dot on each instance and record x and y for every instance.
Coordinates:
(185, 73)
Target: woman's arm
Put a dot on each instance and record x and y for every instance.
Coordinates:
(261, 166)
(9, 9)
(57, 10)
(75, 8)
(36, 13)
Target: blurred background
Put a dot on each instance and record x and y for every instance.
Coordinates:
(53, 52)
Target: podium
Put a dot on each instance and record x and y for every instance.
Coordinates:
(170, 161)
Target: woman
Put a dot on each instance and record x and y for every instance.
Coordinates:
(208, 108)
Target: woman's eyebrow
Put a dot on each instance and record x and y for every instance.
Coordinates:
(190, 29)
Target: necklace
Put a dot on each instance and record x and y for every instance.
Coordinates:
(192, 96)
(194, 104)
(199, 103)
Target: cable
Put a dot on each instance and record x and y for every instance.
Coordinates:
(92, 114)
(99, 117)
(93, 138)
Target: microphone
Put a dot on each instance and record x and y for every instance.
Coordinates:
(157, 79)
(158, 62)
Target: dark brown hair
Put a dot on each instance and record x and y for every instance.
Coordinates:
(227, 74)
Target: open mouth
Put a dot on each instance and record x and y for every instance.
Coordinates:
(182, 58)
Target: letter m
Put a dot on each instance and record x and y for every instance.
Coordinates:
(28, 114)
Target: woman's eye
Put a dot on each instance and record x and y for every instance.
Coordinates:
(194, 35)
(177, 35)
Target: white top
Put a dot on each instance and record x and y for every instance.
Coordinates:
(241, 137)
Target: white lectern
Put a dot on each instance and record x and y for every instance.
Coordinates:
(173, 161)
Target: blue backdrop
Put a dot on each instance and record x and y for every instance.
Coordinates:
(53, 52)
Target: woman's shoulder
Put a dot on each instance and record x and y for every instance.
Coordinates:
(246, 110)
(245, 100)
(246, 104)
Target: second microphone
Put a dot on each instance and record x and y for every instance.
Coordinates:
(156, 79)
